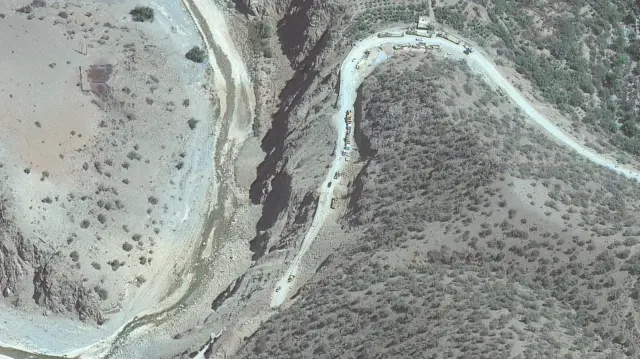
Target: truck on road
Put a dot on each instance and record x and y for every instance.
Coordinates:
(391, 34)
(467, 48)
(447, 36)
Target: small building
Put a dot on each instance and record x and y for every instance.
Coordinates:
(424, 23)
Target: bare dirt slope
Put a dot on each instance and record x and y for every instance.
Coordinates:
(472, 234)
(105, 156)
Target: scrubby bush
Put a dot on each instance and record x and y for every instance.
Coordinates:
(102, 293)
(265, 30)
(196, 54)
(142, 14)
(127, 246)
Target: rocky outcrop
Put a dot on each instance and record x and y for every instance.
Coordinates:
(305, 32)
(15, 254)
(52, 289)
(260, 7)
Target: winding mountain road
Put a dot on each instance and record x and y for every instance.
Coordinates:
(350, 80)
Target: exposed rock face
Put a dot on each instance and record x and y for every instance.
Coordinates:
(19, 260)
(15, 254)
(260, 7)
(305, 32)
(55, 291)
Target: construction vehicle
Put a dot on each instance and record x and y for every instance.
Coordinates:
(391, 34)
(290, 279)
(447, 36)
(333, 203)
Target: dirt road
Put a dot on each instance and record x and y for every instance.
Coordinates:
(350, 80)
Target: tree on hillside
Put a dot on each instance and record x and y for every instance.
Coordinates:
(142, 14)
(196, 54)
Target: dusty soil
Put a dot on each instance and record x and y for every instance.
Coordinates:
(109, 183)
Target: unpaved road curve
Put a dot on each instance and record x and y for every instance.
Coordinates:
(349, 83)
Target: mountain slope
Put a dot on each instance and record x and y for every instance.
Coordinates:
(475, 235)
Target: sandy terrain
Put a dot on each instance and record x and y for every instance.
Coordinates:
(112, 186)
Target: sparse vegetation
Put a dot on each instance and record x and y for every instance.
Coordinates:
(571, 52)
(196, 54)
(103, 294)
(439, 191)
(265, 30)
(192, 123)
(85, 224)
(127, 246)
(142, 14)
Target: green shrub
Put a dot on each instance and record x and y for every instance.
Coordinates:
(102, 293)
(192, 123)
(142, 14)
(196, 54)
(265, 30)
